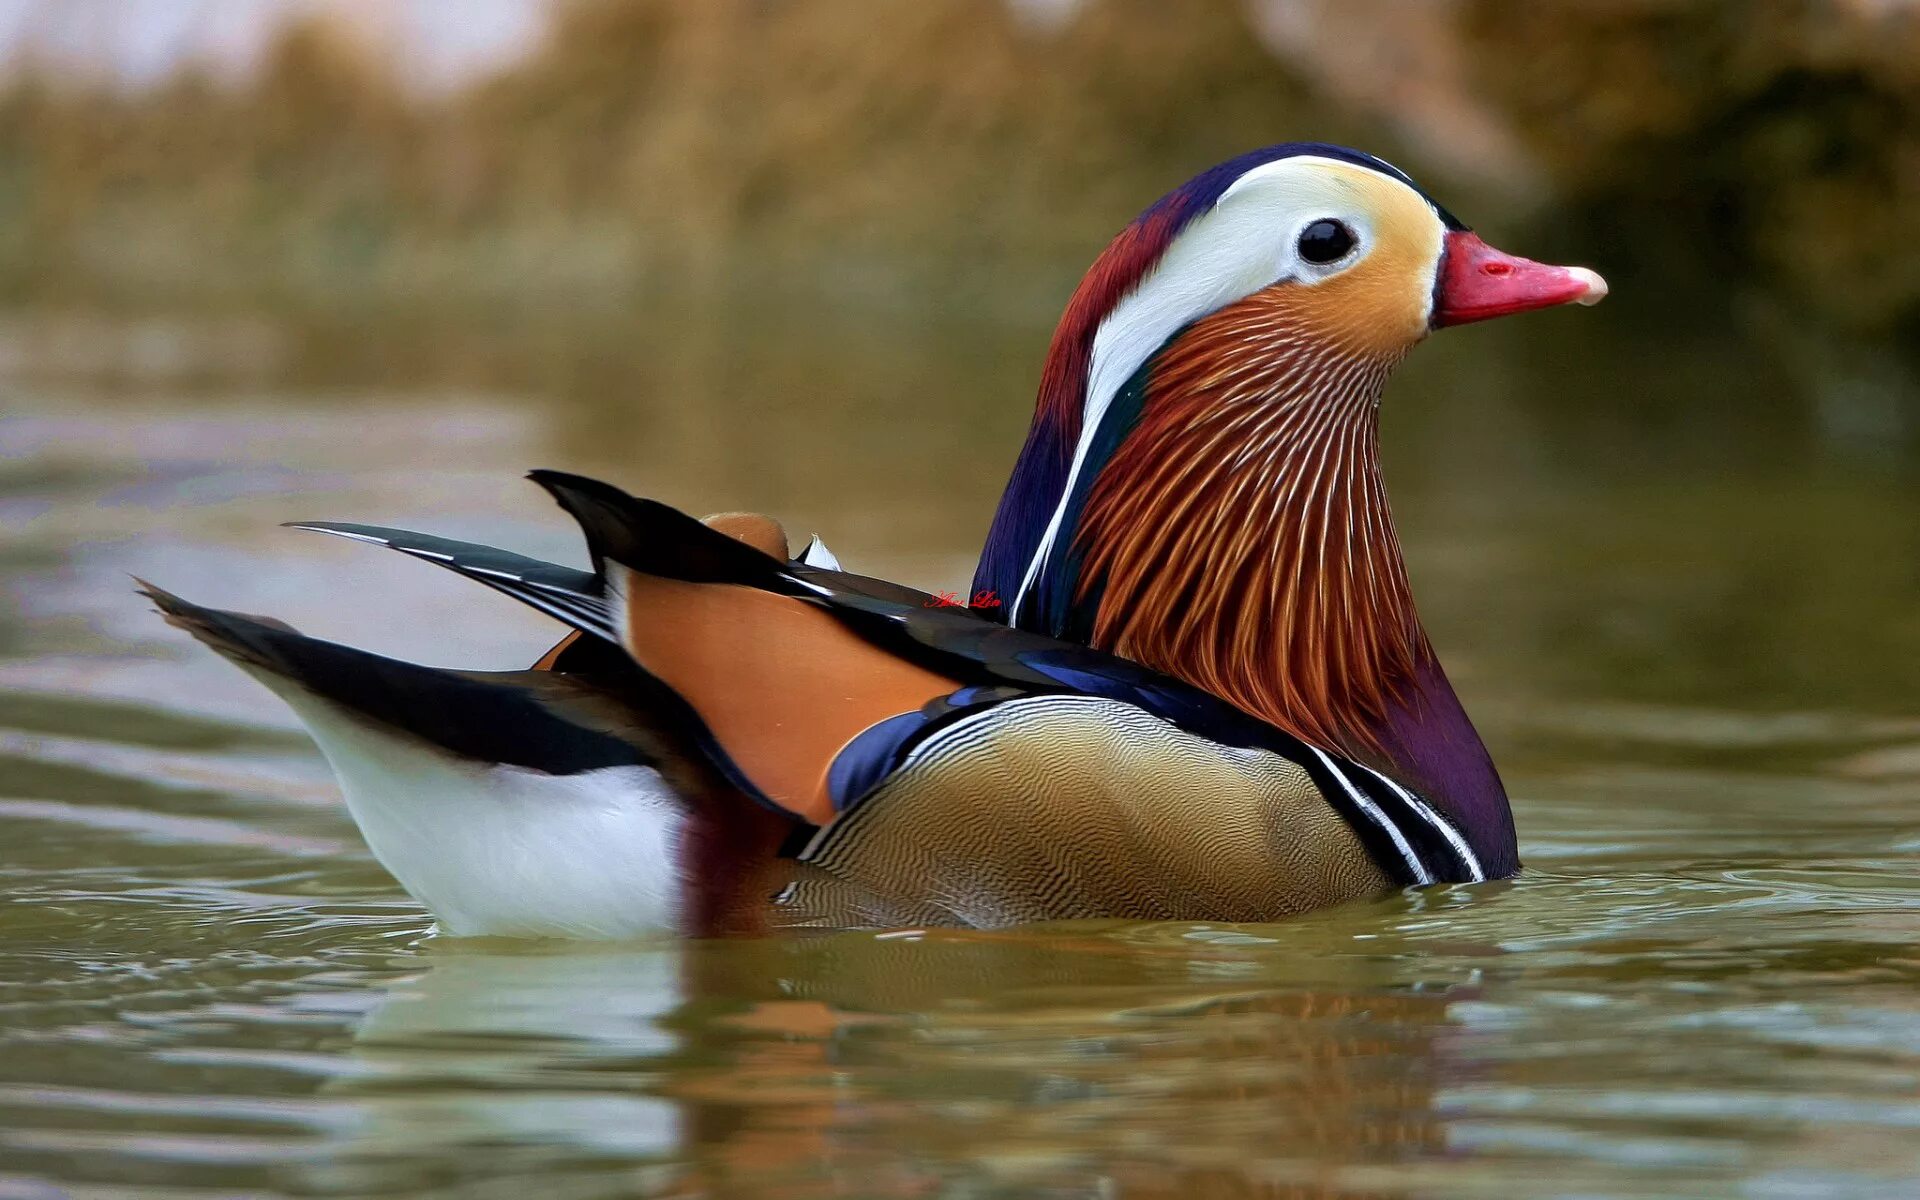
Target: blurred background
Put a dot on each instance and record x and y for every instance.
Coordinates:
(805, 257)
(791, 255)
(266, 260)
(441, 177)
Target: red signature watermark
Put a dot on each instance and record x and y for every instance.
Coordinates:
(984, 598)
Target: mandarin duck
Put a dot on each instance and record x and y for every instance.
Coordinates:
(1203, 693)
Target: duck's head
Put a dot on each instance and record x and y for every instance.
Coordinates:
(1333, 242)
(1199, 487)
(1316, 244)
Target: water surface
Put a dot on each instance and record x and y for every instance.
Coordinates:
(1692, 654)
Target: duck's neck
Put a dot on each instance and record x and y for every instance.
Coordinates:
(1228, 524)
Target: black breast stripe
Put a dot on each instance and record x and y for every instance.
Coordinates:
(1384, 837)
(1443, 846)
(1406, 836)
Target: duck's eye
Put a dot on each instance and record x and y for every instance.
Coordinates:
(1325, 241)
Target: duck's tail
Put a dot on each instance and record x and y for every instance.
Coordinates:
(691, 729)
(518, 803)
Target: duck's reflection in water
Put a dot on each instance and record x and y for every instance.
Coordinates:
(1123, 1061)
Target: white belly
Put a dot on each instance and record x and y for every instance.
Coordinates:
(507, 851)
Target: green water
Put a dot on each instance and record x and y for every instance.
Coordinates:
(1688, 633)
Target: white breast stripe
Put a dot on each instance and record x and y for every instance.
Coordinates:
(1421, 875)
(1046, 539)
(1426, 813)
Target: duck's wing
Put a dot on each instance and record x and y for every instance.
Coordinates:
(573, 596)
(518, 803)
(778, 687)
(567, 594)
(917, 626)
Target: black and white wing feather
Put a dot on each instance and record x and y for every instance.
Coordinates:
(567, 594)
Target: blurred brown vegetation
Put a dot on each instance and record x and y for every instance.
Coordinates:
(1745, 171)
(646, 145)
(1763, 157)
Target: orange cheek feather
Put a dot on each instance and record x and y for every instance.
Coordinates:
(1380, 307)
